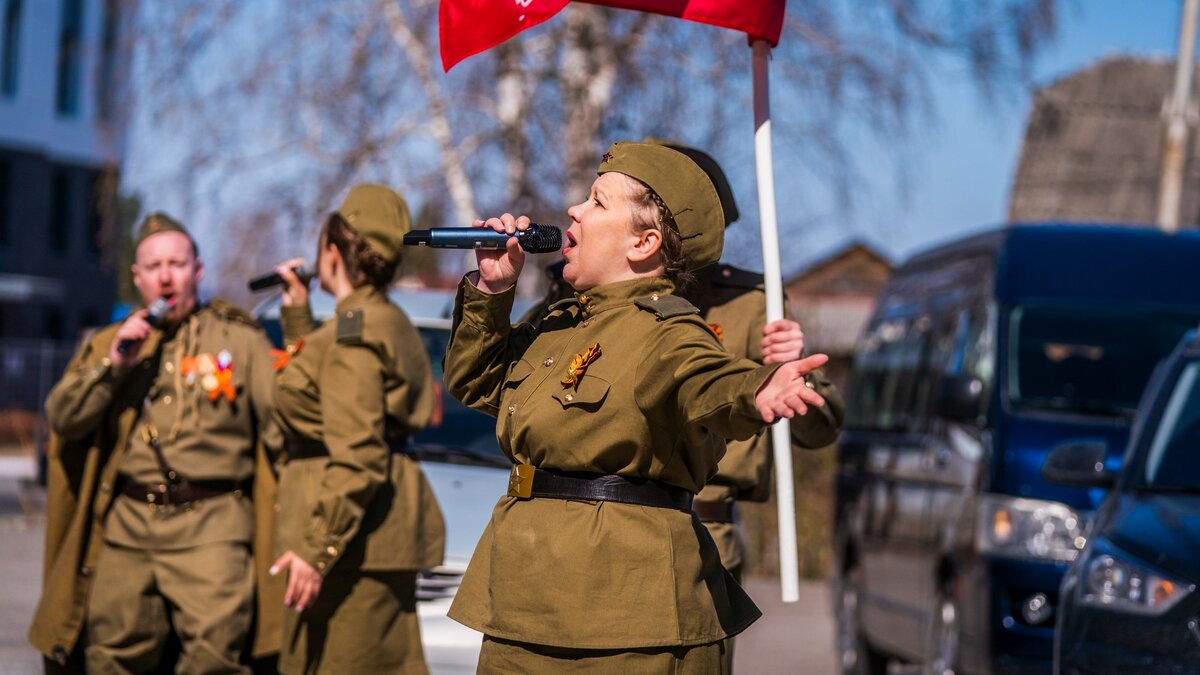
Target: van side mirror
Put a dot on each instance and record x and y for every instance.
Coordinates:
(958, 398)
(1079, 463)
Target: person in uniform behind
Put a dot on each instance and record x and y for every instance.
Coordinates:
(615, 411)
(150, 523)
(358, 519)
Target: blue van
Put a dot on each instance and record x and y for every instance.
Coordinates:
(981, 357)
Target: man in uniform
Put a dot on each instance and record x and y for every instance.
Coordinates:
(150, 523)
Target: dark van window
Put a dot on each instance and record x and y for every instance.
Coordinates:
(1087, 360)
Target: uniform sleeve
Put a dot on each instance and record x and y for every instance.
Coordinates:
(76, 406)
(261, 381)
(352, 407)
(688, 371)
(296, 322)
(482, 345)
(820, 426)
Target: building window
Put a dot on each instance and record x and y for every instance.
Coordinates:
(94, 205)
(6, 191)
(60, 195)
(70, 54)
(10, 48)
(52, 324)
(106, 91)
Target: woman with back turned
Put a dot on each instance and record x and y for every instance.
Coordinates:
(615, 411)
(357, 518)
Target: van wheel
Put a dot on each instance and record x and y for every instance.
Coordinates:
(944, 636)
(855, 653)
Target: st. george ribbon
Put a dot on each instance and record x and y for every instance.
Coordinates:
(534, 239)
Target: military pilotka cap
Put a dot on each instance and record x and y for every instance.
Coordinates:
(686, 190)
(719, 180)
(160, 222)
(379, 215)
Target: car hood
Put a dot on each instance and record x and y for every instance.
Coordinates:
(1163, 530)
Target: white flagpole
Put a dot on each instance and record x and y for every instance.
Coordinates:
(789, 566)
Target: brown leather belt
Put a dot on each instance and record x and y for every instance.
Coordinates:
(302, 447)
(713, 510)
(528, 482)
(181, 493)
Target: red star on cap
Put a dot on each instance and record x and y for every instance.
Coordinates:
(607, 157)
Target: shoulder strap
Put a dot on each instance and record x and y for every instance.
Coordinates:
(350, 326)
(667, 306)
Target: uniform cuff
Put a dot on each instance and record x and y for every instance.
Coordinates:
(296, 322)
(321, 556)
(487, 312)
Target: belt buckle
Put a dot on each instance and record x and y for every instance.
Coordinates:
(520, 481)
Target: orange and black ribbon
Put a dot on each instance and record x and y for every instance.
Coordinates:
(579, 366)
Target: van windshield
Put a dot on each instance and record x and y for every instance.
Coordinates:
(1173, 461)
(1093, 361)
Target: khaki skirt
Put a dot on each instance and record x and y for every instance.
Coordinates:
(362, 622)
(503, 657)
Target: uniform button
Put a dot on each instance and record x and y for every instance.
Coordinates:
(277, 508)
(106, 362)
(587, 322)
(548, 362)
(169, 366)
(569, 398)
(85, 571)
(331, 550)
(512, 409)
(321, 565)
(167, 399)
(105, 488)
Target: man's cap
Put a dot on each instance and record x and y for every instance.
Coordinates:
(158, 222)
(719, 180)
(684, 187)
(379, 215)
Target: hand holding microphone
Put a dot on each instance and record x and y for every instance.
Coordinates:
(499, 251)
(135, 330)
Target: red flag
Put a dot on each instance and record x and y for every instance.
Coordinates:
(760, 19)
(467, 27)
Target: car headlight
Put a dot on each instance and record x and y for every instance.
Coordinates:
(1028, 528)
(1121, 584)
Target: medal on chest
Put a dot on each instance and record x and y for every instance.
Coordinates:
(579, 365)
(213, 374)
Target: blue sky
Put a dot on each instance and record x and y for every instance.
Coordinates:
(964, 166)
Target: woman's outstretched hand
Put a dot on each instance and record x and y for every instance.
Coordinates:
(303, 582)
(786, 393)
(498, 270)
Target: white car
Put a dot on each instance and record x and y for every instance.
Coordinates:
(459, 455)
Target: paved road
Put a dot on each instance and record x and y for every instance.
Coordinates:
(789, 639)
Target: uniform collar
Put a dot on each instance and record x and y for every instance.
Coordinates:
(621, 293)
(358, 297)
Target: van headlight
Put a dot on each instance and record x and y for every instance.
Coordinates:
(1034, 529)
(1118, 583)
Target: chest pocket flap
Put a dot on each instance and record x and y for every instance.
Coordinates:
(517, 374)
(589, 396)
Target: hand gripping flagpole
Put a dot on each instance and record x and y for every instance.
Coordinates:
(781, 442)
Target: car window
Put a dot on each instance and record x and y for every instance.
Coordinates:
(1173, 460)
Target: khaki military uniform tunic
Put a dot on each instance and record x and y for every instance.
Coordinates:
(732, 301)
(187, 566)
(365, 517)
(657, 403)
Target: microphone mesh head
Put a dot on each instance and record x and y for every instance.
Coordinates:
(541, 239)
(157, 311)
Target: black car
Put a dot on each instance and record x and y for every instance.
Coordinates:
(1128, 604)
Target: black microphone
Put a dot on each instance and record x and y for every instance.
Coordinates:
(273, 279)
(535, 239)
(155, 313)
